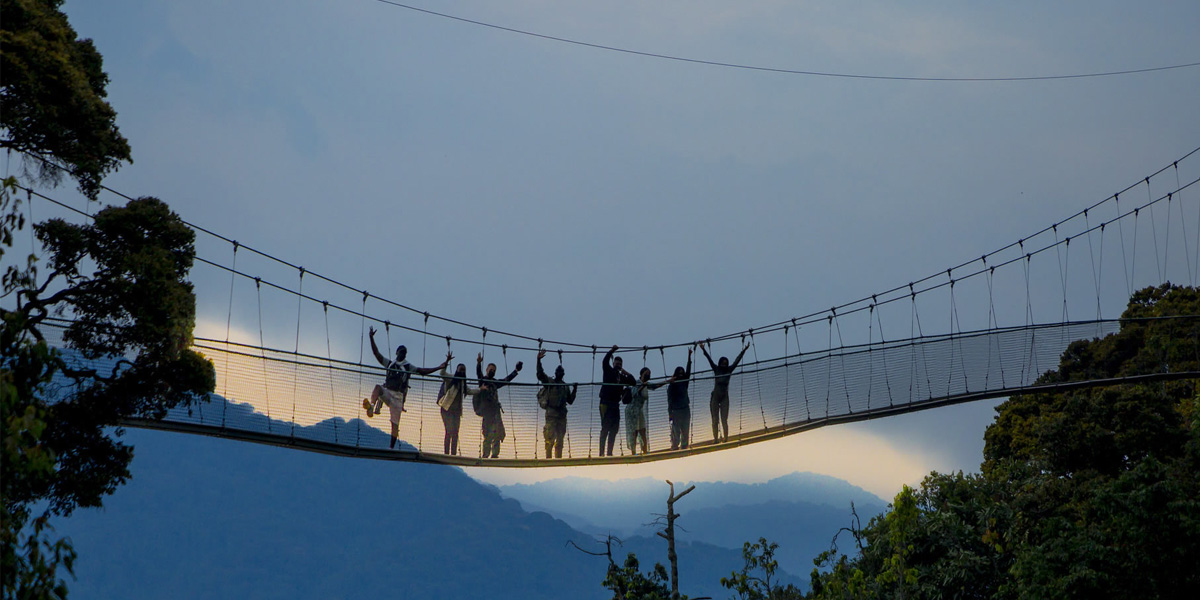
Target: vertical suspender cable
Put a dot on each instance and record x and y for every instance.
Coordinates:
(803, 381)
(228, 325)
(842, 360)
(421, 405)
(508, 398)
(295, 364)
(592, 407)
(362, 342)
(884, 352)
(329, 363)
(262, 345)
(758, 380)
(786, 376)
(1154, 231)
(1124, 259)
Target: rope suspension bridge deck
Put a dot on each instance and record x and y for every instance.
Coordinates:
(957, 335)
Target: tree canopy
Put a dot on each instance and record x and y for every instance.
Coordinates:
(119, 284)
(1089, 493)
(52, 96)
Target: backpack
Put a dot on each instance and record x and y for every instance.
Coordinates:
(477, 405)
(549, 397)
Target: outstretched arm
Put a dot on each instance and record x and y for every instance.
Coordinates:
(739, 357)
(574, 391)
(607, 363)
(441, 367)
(712, 365)
(375, 349)
(479, 367)
(541, 373)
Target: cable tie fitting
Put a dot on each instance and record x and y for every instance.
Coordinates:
(426, 317)
(365, 295)
(301, 272)
(235, 245)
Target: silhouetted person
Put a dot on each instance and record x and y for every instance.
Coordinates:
(635, 411)
(679, 408)
(617, 381)
(554, 397)
(395, 385)
(450, 397)
(487, 405)
(719, 404)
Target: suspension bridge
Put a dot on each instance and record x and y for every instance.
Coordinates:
(949, 337)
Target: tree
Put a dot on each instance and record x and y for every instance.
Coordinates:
(1088, 493)
(120, 283)
(753, 582)
(52, 96)
(121, 280)
(626, 581)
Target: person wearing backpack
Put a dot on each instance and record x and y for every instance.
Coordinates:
(487, 405)
(450, 397)
(394, 390)
(635, 411)
(553, 397)
(679, 408)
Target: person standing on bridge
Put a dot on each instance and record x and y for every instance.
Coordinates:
(635, 411)
(450, 397)
(679, 407)
(554, 397)
(617, 383)
(719, 402)
(487, 405)
(395, 386)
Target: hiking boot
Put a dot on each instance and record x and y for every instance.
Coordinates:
(367, 405)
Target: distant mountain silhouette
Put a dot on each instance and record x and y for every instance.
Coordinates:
(210, 518)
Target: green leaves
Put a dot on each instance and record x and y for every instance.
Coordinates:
(52, 96)
(1083, 494)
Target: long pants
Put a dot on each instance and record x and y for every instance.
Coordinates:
(493, 434)
(554, 431)
(451, 421)
(610, 423)
(719, 407)
(681, 425)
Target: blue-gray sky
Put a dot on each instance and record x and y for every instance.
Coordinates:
(593, 196)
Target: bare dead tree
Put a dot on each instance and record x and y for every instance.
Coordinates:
(669, 534)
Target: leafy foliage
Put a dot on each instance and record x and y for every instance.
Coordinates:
(627, 582)
(1085, 493)
(754, 581)
(52, 96)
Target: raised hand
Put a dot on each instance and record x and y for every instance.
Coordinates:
(479, 358)
(541, 354)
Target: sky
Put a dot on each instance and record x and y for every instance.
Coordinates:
(587, 195)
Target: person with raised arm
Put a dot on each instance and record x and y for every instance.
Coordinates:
(553, 397)
(635, 411)
(487, 405)
(719, 403)
(450, 397)
(394, 389)
(616, 383)
(679, 409)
